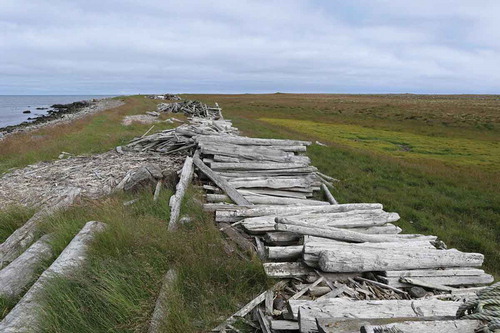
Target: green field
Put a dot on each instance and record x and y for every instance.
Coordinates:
(432, 159)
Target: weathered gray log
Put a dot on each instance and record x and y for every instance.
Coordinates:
(180, 190)
(314, 246)
(284, 325)
(283, 224)
(281, 238)
(230, 191)
(236, 237)
(241, 140)
(156, 195)
(275, 193)
(263, 321)
(271, 183)
(462, 271)
(19, 273)
(25, 316)
(284, 253)
(309, 311)
(23, 237)
(234, 214)
(452, 280)
(329, 195)
(287, 270)
(268, 200)
(367, 259)
(161, 310)
(256, 166)
(441, 326)
(269, 173)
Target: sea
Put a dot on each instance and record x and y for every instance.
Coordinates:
(13, 106)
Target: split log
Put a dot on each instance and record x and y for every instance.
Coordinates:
(309, 311)
(284, 325)
(24, 317)
(268, 200)
(283, 224)
(257, 166)
(241, 313)
(230, 191)
(281, 238)
(241, 140)
(284, 253)
(236, 237)
(22, 271)
(442, 326)
(23, 237)
(234, 214)
(180, 190)
(367, 259)
(161, 310)
(434, 281)
(156, 195)
(329, 195)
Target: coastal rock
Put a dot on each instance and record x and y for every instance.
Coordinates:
(26, 111)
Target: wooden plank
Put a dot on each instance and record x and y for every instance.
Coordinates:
(329, 195)
(445, 326)
(161, 309)
(284, 253)
(365, 259)
(285, 270)
(268, 200)
(283, 326)
(281, 238)
(241, 312)
(176, 200)
(236, 237)
(452, 280)
(230, 191)
(435, 272)
(256, 166)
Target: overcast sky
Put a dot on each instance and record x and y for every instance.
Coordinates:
(338, 46)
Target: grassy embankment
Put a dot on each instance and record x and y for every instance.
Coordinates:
(117, 289)
(433, 159)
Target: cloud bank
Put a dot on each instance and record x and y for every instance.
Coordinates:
(131, 46)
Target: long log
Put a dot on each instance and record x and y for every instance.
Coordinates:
(367, 259)
(336, 233)
(241, 140)
(289, 270)
(271, 183)
(161, 309)
(22, 271)
(25, 316)
(274, 193)
(233, 214)
(267, 200)
(452, 280)
(309, 311)
(442, 326)
(230, 191)
(176, 200)
(462, 271)
(23, 237)
(256, 166)
(270, 173)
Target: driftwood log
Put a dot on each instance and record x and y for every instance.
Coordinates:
(180, 190)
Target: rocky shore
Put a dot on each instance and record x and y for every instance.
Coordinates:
(62, 113)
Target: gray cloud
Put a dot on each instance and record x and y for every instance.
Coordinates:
(144, 46)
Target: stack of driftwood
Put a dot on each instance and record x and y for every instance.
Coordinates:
(344, 267)
(191, 109)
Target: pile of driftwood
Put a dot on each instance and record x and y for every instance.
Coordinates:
(344, 267)
(168, 97)
(191, 109)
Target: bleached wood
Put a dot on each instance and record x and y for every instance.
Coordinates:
(337, 233)
(286, 270)
(233, 214)
(241, 312)
(284, 253)
(281, 238)
(275, 193)
(268, 200)
(271, 183)
(366, 259)
(270, 173)
(329, 195)
(462, 271)
(19, 273)
(24, 236)
(306, 289)
(452, 280)
(156, 195)
(25, 316)
(309, 311)
(256, 166)
(241, 140)
(284, 325)
(176, 200)
(221, 183)
(447, 326)
(236, 237)
(161, 310)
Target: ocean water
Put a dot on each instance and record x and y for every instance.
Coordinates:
(12, 106)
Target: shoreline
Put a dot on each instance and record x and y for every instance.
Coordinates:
(63, 113)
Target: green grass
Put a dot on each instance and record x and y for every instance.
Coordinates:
(117, 290)
(12, 218)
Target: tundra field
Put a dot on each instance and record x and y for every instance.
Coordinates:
(433, 159)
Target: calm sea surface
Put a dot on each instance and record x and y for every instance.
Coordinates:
(12, 107)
